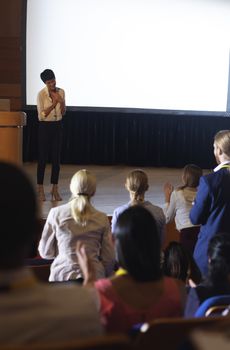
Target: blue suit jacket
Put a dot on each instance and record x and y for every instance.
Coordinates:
(212, 211)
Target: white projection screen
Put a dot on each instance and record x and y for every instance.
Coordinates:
(148, 54)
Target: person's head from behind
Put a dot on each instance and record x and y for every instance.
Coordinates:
(219, 260)
(137, 184)
(222, 146)
(48, 78)
(179, 263)
(191, 175)
(176, 261)
(20, 225)
(82, 187)
(137, 244)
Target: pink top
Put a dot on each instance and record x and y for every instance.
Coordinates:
(117, 316)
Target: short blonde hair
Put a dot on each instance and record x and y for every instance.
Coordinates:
(222, 140)
(137, 183)
(82, 187)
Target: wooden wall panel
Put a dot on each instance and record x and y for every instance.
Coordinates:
(10, 18)
(13, 90)
(10, 52)
(15, 104)
(4, 104)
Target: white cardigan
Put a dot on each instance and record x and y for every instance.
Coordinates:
(59, 238)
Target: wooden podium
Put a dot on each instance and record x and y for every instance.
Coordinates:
(11, 133)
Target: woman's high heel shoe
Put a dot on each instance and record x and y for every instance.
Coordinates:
(41, 193)
(55, 196)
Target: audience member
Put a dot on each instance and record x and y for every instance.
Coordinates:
(212, 205)
(77, 220)
(179, 263)
(218, 279)
(140, 293)
(32, 312)
(179, 203)
(137, 184)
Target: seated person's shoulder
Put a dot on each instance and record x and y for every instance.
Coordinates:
(70, 295)
(72, 306)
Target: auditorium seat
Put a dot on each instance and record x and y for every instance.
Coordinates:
(171, 234)
(170, 333)
(42, 272)
(106, 342)
(218, 300)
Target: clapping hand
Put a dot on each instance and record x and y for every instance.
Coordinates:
(85, 264)
(168, 189)
(56, 97)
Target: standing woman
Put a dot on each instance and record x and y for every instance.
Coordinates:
(212, 204)
(51, 108)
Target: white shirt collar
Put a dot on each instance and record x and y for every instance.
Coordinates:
(221, 165)
(46, 91)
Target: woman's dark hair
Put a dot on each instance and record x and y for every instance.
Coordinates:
(138, 244)
(47, 74)
(176, 261)
(179, 263)
(219, 260)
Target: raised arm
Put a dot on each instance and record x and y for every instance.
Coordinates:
(42, 111)
(48, 244)
(86, 265)
(59, 97)
(170, 203)
(107, 251)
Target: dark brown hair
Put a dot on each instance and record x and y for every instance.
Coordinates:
(191, 176)
(47, 74)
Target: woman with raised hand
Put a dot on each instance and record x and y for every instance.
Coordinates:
(74, 221)
(138, 292)
(137, 184)
(178, 204)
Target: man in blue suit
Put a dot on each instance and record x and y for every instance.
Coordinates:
(212, 204)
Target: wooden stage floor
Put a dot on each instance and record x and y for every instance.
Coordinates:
(110, 184)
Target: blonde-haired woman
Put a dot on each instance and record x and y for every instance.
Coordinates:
(74, 221)
(212, 204)
(137, 184)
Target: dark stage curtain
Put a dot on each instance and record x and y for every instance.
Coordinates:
(138, 139)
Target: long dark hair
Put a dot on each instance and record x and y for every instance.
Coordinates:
(137, 244)
(219, 261)
(179, 263)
